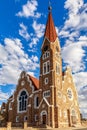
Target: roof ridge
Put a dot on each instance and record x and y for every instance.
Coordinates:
(35, 81)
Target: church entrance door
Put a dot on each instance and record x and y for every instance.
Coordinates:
(44, 119)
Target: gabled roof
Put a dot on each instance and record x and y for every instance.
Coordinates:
(35, 81)
(50, 31)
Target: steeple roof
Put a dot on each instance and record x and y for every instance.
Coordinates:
(50, 31)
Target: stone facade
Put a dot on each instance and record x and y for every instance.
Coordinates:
(51, 100)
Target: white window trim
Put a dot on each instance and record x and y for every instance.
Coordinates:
(10, 107)
(35, 106)
(48, 91)
(18, 100)
(45, 63)
(44, 55)
(22, 83)
(36, 117)
(46, 81)
(17, 118)
(25, 118)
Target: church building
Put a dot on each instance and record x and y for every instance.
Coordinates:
(52, 99)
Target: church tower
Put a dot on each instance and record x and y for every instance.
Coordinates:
(51, 67)
(50, 61)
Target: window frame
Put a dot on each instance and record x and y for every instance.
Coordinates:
(45, 93)
(36, 117)
(46, 55)
(17, 118)
(46, 67)
(70, 93)
(46, 81)
(25, 118)
(36, 105)
(23, 100)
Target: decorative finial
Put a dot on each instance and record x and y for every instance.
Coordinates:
(49, 7)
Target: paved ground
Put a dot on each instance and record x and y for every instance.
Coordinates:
(49, 129)
(80, 128)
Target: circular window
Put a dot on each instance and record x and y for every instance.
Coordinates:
(22, 83)
(70, 94)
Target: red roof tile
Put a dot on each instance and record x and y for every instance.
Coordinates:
(35, 81)
(50, 31)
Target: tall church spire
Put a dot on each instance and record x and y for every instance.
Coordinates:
(50, 31)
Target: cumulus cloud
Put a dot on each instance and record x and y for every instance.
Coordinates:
(38, 28)
(77, 17)
(3, 96)
(14, 60)
(73, 54)
(38, 33)
(73, 13)
(23, 32)
(29, 10)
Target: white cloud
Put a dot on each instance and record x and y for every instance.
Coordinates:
(77, 14)
(76, 19)
(23, 32)
(73, 6)
(80, 80)
(73, 54)
(29, 10)
(38, 28)
(14, 60)
(33, 42)
(3, 96)
(39, 32)
(34, 58)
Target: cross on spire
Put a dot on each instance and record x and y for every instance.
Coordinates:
(49, 7)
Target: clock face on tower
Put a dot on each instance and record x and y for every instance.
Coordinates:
(22, 83)
(45, 48)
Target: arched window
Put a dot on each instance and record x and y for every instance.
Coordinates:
(73, 112)
(70, 93)
(36, 101)
(22, 101)
(48, 66)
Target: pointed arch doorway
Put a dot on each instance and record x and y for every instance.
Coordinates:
(44, 117)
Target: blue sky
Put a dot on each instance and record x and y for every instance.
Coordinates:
(22, 25)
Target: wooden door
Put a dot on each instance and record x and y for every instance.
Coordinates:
(44, 119)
